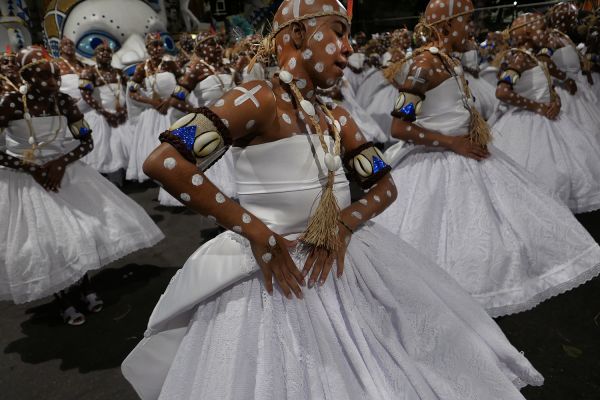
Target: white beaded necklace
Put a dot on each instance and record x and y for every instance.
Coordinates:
(31, 154)
(116, 92)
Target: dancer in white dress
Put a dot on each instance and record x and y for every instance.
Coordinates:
(70, 69)
(61, 219)
(467, 205)
(579, 101)
(151, 86)
(390, 325)
(493, 45)
(102, 88)
(536, 133)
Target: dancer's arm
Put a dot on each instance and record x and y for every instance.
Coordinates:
(197, 140)
(510, 73)
(545, 56)
(81, 131)
(426, 72)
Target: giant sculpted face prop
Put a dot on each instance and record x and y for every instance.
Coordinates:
(122, 24)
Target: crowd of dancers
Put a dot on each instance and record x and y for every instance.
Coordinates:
(468, 158)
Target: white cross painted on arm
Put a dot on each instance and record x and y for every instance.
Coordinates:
(247, 95)
(416, 78)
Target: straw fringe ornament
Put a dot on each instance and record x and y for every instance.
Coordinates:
(322, 230)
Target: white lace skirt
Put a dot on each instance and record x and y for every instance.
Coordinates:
(393, 327)
(504, 239)
(111, 145)
(48, 241)
(150, 124)
(221, 174)
(582, 107)
(563, 156)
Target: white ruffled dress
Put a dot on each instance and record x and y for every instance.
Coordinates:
(561, 154)
(149, 124)
(394, 326)
(111, 145)
(487, 223)
(584, 106)
(48, 240)
(69, 84)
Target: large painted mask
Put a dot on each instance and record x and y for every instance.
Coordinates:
(123, 24)
(14, 25)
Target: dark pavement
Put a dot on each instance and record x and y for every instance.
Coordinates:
(44, 359)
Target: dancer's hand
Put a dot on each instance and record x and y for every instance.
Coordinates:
(465, 147)
(55, 170)
(571, 86)
(39, 175)
(163, 106)
(319, 262)
(272, 254)
(550, 110)
(111, 118)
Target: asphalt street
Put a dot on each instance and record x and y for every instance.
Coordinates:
(44, 359)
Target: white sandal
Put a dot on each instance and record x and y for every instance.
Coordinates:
(72, 317)
(93, 302)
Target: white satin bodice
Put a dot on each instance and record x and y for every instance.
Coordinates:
(280, 182)
(256, 74)
(17, 137)
(213, 88)
(567, 59)
(443, 110)
(533, 85)
(69, 84)
(106, 95)
(164, 86)
(470, 59)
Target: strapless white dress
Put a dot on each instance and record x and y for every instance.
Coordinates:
(211, 89)
(206, 93)
(150, 124)
(365, 122)
(111, 145)
(378, 96)
(487, 223)
(583, 107)
(355, 79)
(394, 326)
(489, 73)
(48, 240)
(256, 74)
(484, 95)
(69, 84)
(561, 154)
